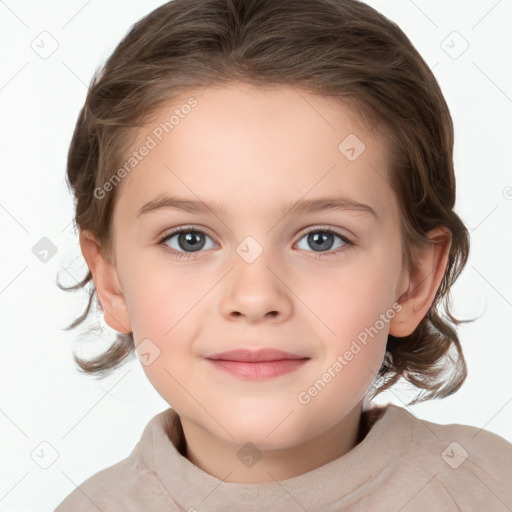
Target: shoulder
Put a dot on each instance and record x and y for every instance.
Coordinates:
(471, 466)
(109, 486)
(126, 486)
(130, 485)
(471, 449)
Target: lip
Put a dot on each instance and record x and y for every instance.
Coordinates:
(257, 364)
(255, 356)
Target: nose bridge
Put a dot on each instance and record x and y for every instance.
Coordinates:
(255, 287)
(253, 263)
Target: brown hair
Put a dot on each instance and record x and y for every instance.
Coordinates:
(342, 49)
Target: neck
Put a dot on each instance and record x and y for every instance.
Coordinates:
(212, 455)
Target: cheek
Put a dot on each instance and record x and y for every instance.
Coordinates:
(354, 308)
(161, 297)
(348, 300)
(164, 307)
(357, 309)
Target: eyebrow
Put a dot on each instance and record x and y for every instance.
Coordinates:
(164, 202)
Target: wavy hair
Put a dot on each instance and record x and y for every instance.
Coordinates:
(342, 49)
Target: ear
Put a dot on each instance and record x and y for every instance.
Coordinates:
(422, 283)
(107, 284)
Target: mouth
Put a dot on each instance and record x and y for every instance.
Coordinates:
(257, 364)
(256, 356)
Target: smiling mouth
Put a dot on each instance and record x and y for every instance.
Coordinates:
(256, 356)
(259, 365)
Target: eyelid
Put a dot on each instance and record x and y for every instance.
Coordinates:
(175, 231)
(311, 229)
(322, 227)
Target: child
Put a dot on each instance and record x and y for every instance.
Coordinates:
(223, 143)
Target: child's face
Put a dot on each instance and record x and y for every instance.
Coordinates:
(254, 152)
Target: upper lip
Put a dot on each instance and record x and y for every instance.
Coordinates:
(254, 356)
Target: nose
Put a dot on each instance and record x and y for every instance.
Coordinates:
(256, 292)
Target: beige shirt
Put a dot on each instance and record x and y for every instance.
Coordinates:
(403, 464)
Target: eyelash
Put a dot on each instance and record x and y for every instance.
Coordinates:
(182, 254)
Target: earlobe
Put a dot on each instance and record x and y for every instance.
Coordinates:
(110, 295)
(423, 283)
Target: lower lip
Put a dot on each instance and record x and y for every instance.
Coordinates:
(258, 371)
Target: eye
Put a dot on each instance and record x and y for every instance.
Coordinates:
(322, 239)
(187, 239)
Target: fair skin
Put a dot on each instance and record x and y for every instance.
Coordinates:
(253, 151)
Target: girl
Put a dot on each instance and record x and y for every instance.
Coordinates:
(221, 146)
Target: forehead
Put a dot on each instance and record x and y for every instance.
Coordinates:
(258, 149)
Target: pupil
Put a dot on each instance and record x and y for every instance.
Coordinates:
(192, 239)
(319, 238)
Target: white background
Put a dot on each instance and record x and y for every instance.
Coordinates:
(93, 424)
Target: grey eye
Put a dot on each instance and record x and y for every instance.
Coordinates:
(323, 240)
(187, 240)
